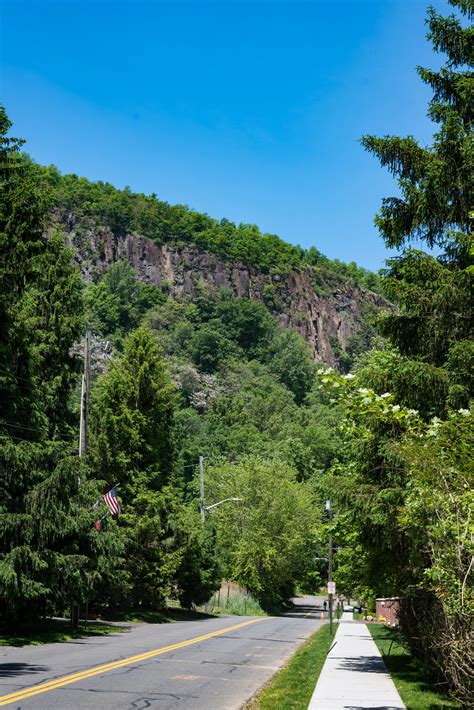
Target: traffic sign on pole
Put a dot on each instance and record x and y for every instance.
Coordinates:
(331, 587)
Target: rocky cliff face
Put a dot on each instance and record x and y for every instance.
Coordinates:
(326, 316)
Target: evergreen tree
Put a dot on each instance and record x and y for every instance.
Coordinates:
(49, 553)
(132, 419)
(433, 324)
(132, 444)
(403, 474)
(436, 182)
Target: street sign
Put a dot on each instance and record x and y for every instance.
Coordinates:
(331, 587)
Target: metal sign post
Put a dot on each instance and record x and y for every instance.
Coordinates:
(331, 585)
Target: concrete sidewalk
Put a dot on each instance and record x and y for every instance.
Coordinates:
(354, 675)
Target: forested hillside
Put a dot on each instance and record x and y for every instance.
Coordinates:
(331, 304)
(125, 212)
(191, 366)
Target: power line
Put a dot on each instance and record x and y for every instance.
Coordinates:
(32, 388)
(31, 385)
(17, 425)
(74, 452)
(17, 377)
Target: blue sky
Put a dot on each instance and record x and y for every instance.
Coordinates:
(245, 110)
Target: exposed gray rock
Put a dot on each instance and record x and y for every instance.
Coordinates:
(293, 300)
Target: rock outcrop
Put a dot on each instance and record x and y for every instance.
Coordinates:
(326, 315)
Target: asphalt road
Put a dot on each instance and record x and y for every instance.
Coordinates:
(206, 664)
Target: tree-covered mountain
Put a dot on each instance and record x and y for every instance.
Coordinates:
(330, 304)
(125, 212)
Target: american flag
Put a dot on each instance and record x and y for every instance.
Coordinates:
(112, 502)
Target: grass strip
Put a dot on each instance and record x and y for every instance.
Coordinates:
(292, 687)
(54, 630)
(416, 689)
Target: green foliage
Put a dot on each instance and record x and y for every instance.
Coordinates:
(417, 474)
(133, 445)
(433, 323)
(125, 212)
(405, 490)
(40, 301)
(239, 603)
(432, 327)
(50, 556)
(210, 347)
(267, 540)
(132, 418)
(118, 302)
(198, 574)
(417, 384)
(289, 359)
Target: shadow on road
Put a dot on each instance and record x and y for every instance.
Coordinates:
(9, 670)
(304, 610)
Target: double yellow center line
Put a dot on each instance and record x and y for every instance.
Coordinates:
(98, 670)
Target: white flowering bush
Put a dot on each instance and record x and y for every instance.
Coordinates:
(408, 489)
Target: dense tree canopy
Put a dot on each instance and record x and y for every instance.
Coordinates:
(50, 557)
(265, 541)
(405, 485)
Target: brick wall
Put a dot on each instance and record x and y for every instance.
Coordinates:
(388, 608)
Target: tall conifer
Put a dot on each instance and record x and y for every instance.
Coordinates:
(50, 556)
(433, 324)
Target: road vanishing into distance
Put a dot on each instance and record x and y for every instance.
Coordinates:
(210, 663)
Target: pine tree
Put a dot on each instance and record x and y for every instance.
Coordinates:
(132, 446)
(50, 555)
(436, 183)
(396, 477)
(433, 324)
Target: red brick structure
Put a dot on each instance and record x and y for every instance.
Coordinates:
(388, 608)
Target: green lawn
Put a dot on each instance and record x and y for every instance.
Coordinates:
(413, 683)
(52, 630)
(292, 687)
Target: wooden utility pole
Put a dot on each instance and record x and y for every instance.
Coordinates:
(86, 379)
(202, 502)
